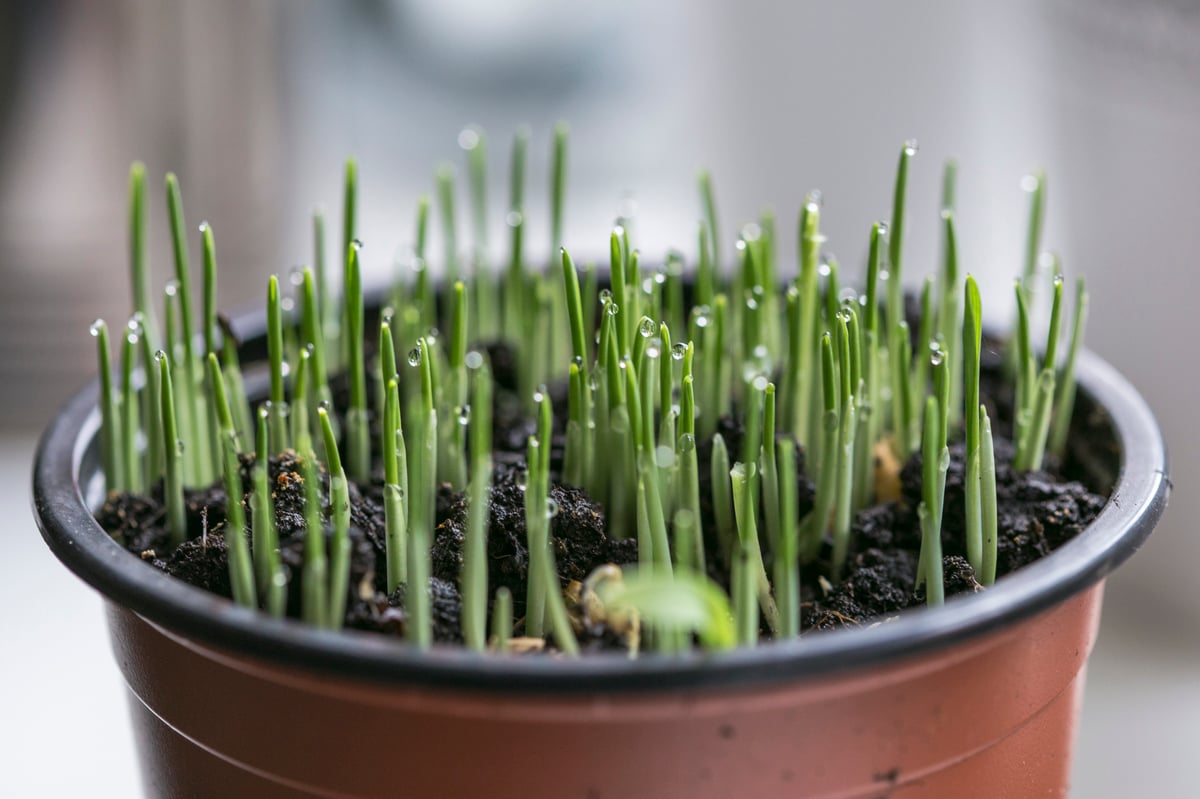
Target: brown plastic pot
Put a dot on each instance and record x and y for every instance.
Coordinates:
(978, 698)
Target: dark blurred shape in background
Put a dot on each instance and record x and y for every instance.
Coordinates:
(255, 105)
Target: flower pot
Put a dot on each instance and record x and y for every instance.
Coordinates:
(979, 697)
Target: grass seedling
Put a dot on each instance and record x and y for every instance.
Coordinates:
(358, 428)
(1025, 370)
(1031, 448)
(131, 459)
(395, 488)
(151, 405)
(1064, 402)
(787, 545)
(314, 585)
(536, 527)
(209, 253)
(200, 468)
(446, 205)
(349, 205)
(452, 456)
(814, 525)
(987, 458)
(935, 461)
(173, 460)
(324, 309)
(139, 268)
(268, 571)
(475, 570)
(844, 453)
(514, 287)
(801, 355)
(339, 505)
(744, 583)
(422, 501)
(312, 332)
(502, 620)
(241, 567)
(972, 339)
(949, 319)
(474, 142)
(689, 557)
(300, 434)
(278, 408)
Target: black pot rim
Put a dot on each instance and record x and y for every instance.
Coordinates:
(1134, 508)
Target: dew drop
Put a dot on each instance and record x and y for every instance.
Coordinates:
(172, 288)
(664, 456)
(687, 442)
(652, 350)
(760, 352)
(936, 357)
(386, 316)
(287, 305)
(522, 478)
(814, 199)
(659, 278)
(911, 147)
(647, 327)
(824, 269)
(848, 294)
(702, 315)
(468, 138)
(464, 415)
(96, 327)
(418, 264)
(513, 219)
(578, 361)
(605, 296)
(678, 350)
(751, 231)
(551, 507)
(612, 309)
(414, 356)
(160, 356)
(539, 396)
(473, 359)
(1029, 183)
(883, 228)
(132, 337)
(760, 383)
(356, 244)
(325, 405)
(296, 276)
(648, 287)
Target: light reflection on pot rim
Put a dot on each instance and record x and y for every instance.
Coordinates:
(67, 451)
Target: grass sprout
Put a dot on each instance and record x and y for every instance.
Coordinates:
(632, 388)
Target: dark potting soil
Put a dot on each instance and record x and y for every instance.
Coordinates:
(1038, 512)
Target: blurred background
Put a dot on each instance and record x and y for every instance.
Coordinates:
(256, 104)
